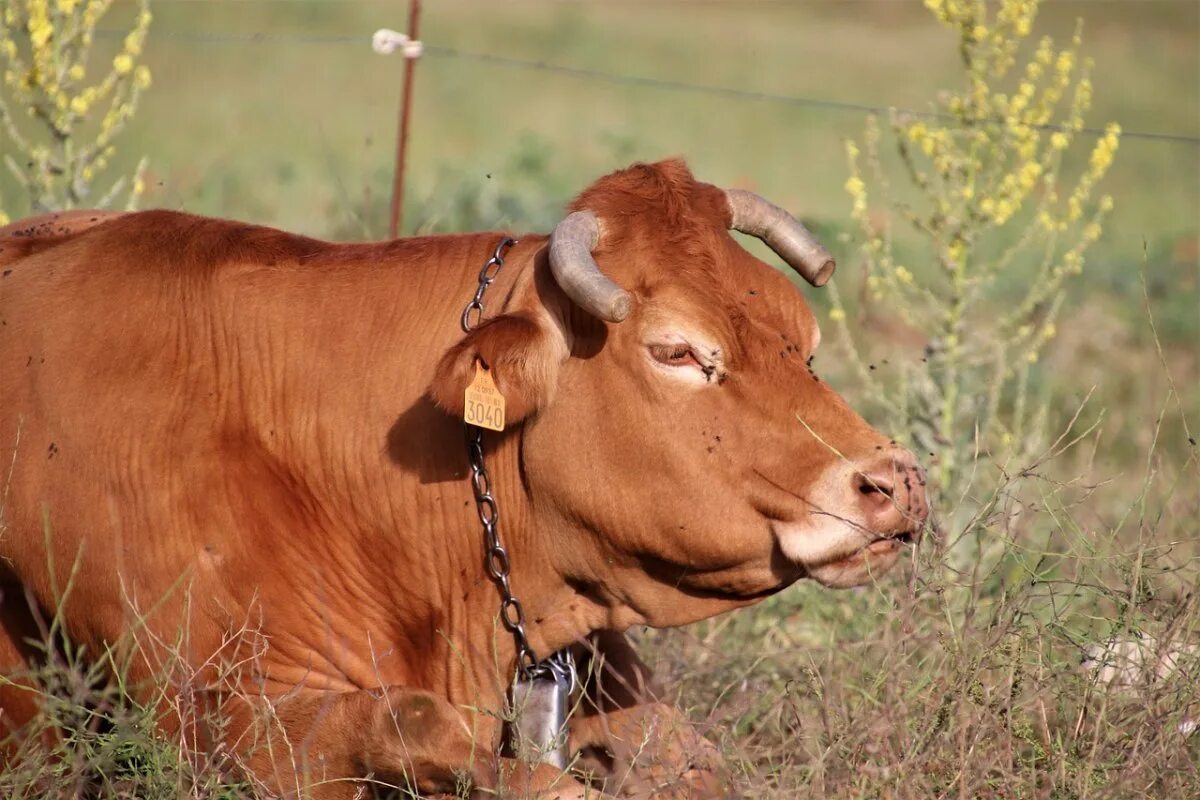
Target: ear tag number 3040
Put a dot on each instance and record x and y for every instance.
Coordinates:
(484, 405)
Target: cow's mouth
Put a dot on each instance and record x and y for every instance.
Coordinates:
(889, 543)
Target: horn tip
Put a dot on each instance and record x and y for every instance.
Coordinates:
(822, 275)
(619, 308)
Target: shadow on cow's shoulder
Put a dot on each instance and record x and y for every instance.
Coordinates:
(428, 442)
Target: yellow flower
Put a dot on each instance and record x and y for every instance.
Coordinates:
(1029, 175)
(1085, 91)
(75, 73)
(1032, 357)
(141, 77)
(854, 185)
(1049, 331)
(39, 33)
(1044, 52)
(79, 105)
(1074, 209)
(903, 275)
(837, 314)
(1059, 141)
(1066, 61)
(1106, 203)
(123, 64)
(1102, 156)
(1004, 210)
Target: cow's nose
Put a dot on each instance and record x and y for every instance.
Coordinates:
(891, 495)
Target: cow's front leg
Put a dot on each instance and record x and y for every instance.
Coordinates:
(330, 745)
(642, 748)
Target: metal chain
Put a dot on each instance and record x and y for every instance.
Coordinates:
(512, 615)
(487, 276)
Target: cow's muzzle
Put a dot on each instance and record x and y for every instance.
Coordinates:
(891, 499)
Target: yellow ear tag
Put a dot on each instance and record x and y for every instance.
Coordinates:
(484, 405)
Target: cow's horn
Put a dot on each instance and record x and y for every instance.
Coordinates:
(576, 271)
(790, 240)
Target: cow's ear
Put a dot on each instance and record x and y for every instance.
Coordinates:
(523, 354)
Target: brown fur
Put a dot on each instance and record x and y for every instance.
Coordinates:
(254, 436)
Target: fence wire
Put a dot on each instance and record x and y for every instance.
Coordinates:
(584, 73)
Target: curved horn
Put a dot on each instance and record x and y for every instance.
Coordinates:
(576, 271)
(790, 240)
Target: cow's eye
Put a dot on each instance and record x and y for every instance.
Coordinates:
(674, 355)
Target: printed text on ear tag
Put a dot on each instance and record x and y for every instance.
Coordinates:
(484, 404)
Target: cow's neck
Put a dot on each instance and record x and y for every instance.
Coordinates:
(395, 542)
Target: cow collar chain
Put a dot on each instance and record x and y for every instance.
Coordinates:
(541, 691)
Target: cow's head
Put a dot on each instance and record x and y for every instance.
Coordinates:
(674, 436)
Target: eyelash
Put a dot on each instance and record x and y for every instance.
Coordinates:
(674, 355)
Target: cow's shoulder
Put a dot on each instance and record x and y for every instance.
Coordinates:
(177, 241)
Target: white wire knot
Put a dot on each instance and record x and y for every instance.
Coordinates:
(387, 41)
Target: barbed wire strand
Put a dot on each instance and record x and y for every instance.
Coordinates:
(443, 51)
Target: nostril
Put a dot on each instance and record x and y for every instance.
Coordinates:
(875, 485)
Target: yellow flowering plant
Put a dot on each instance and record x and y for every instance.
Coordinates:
(985, 195)
(67, 141)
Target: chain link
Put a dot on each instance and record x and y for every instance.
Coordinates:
(472, 315)
(559, 666)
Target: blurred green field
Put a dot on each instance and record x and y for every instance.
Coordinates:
(292, 131)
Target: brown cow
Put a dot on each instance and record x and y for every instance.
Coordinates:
(257, 438)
